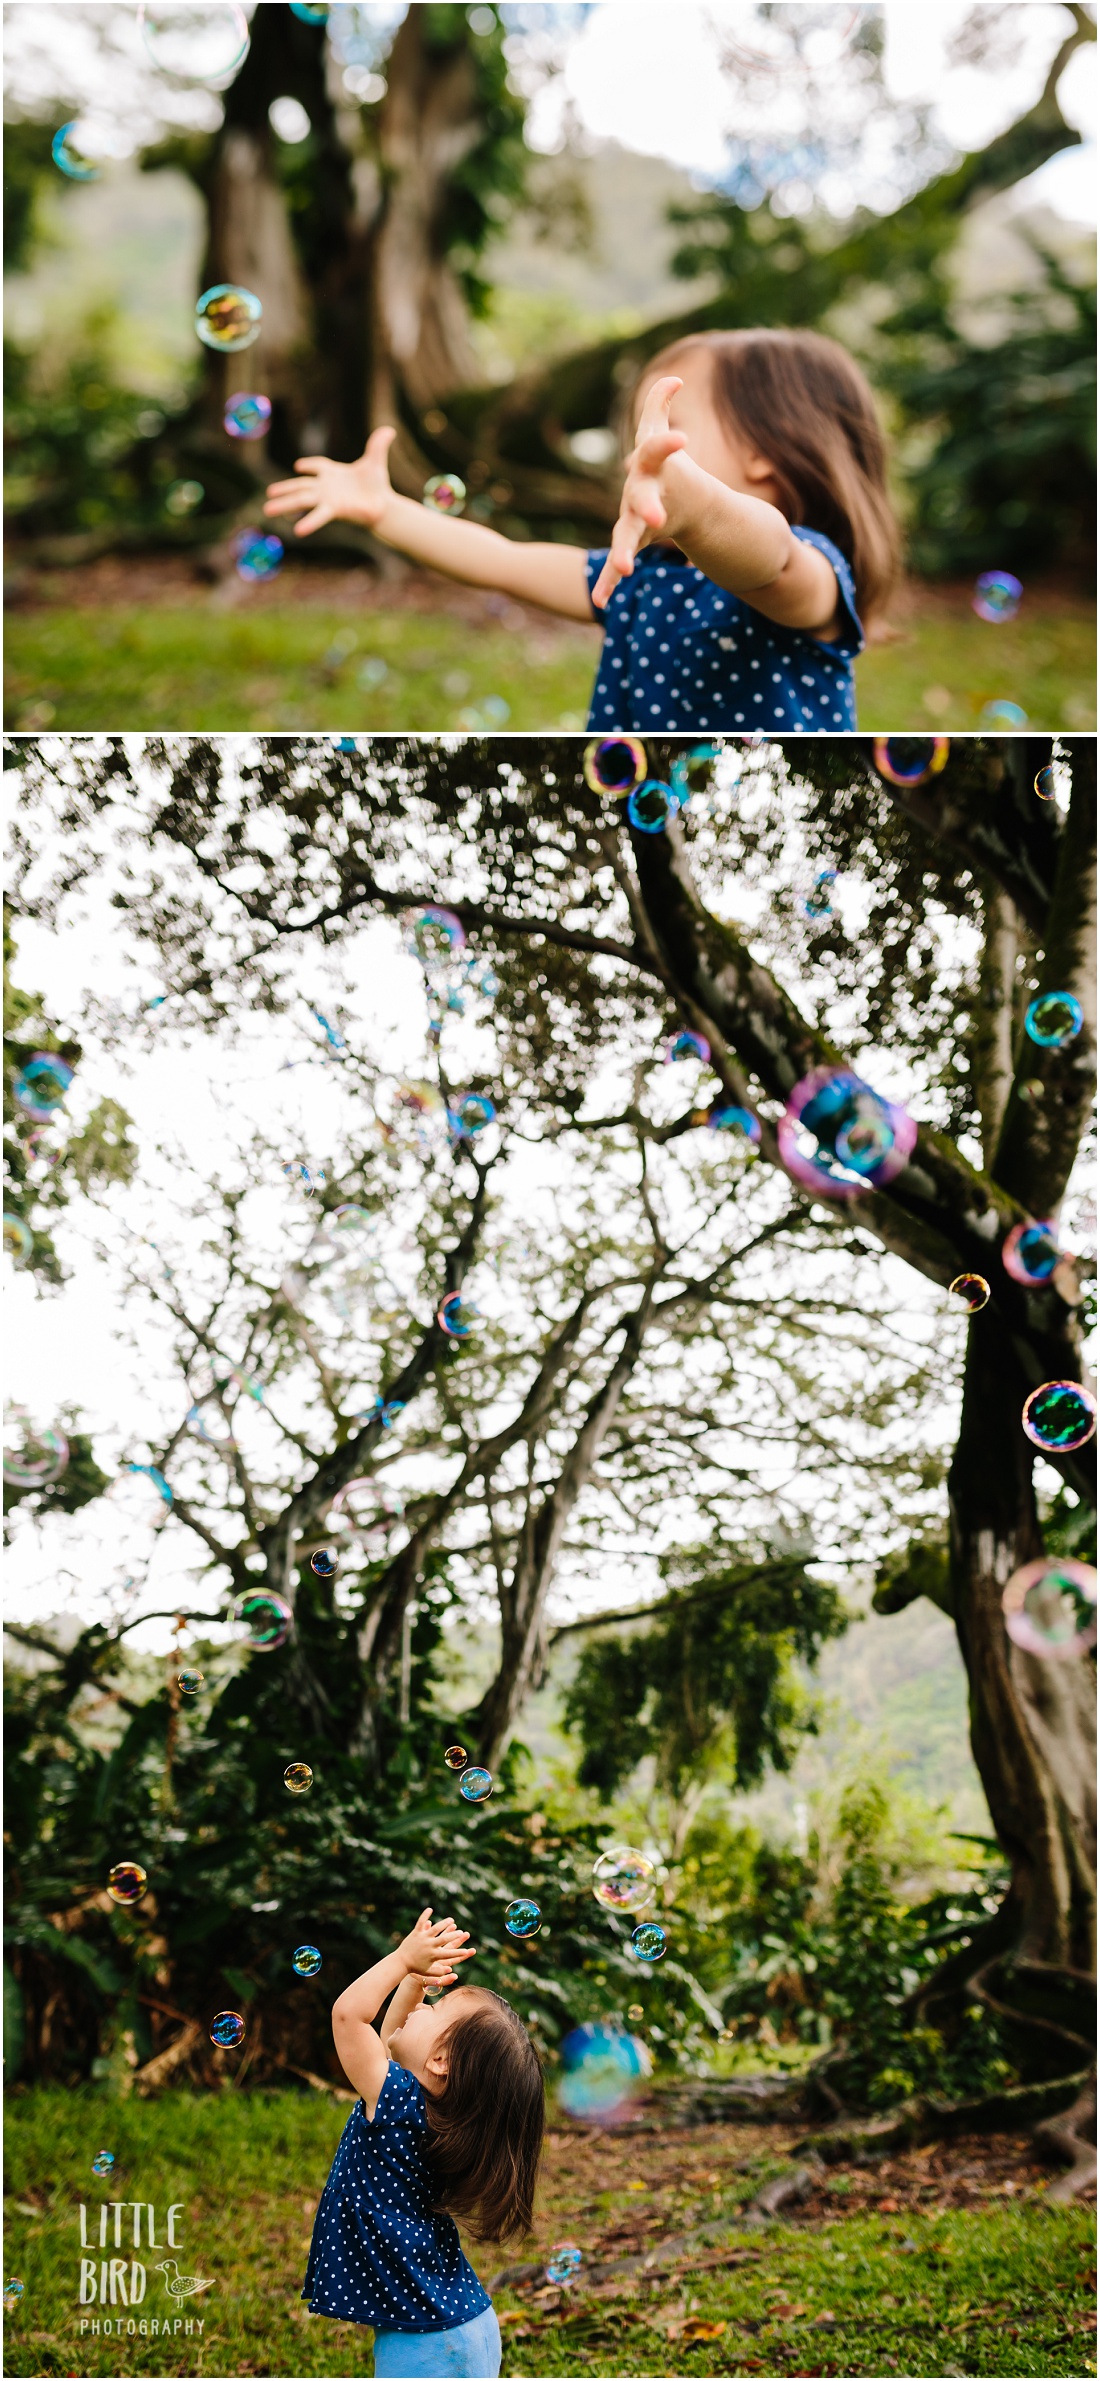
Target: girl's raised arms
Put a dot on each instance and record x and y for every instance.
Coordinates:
(323, 491)
(429, 1954)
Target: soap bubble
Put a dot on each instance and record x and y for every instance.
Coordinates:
(456, 1756)
(445, 494)
(603, 2070)
(126, 1882)
(817, 903)
(1030, 1252)
(140, 1471)
(1054, 1020)
(1030, 1092)
(323, 1563)
(246, 415)
(649, 1941)
(195, 45)
(910, 760)
(1050, 1607)
(312, 12)
(228, 318)
(996, 595)
(523, 1918)
(687, 1045)
(190, 1682)
(1060, 1417)
(475, 1785)
(623, 1879)
(306, 1960)
(298, 1777)
(691, 771)
(651, 806)
(836, 1134)
(103, 2162)
(563, 2263)
(376, 1505)
(32, 1458)
(470, 1115)
(257, 557)
(457, 1317)
(726, 1117)
(13, 2292)
(1046, 784)
(614, 764)
(973, 1289)
(1001, 714)
(635, 2013)
(266, 1617)
(18, 1238)
(41, 1085)
(435, 933)
(72, 149)
(347, 1221)
(183, 497)
(227, 2029)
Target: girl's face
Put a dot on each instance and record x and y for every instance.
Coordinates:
(711, 443)
(416, 2044)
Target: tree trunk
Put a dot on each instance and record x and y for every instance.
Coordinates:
(429, 123)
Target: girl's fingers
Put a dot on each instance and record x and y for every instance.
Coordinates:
(654, 413)
(656, 448)
(378, 445)
(317, 519)
(313, 463)
(606, 584)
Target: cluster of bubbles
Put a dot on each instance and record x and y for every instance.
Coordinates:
(838, 1136)
(1059, 1417)
(910, 760)
(453, 976)
(474, 1784)
(1050, 1607)
(618, 765)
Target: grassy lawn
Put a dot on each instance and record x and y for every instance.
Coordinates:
(303, 653)
(940, 2261)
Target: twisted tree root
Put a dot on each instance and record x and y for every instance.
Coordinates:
(1066, 2138)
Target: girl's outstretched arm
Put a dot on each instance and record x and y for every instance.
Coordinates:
(427, 1953)
(554, 576)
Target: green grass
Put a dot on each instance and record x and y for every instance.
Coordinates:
(187, 664)
(993, 2289)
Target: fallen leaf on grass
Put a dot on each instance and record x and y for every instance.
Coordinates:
(696, 2330)
(826, 2316)
(519, 2317)
(785, 2310)
(887, 2207)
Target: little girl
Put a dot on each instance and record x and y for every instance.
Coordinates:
(450, 2116)
(753, 532)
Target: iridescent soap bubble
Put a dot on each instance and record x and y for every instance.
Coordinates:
(257, 557)
(13, 2292)
(1054, 1020)
(818, 901)
(32, 1457)
(1030, 1092)
(126, 1882)
(836, 1134)
(1046, 784)
(1050, 1607)
(195, 45)
(1002, 714)
(103, 2162)
(18, 1238)
(635, 2013)
(973, 1289)
(1030, 1252)
(996, 595)
(726, 1117)
(312, 12)
(563, 2263)
(614, 764)
(347, 1221)
(470, 1115)
(228, 318)
(604, 2069)
(368, 1506)
(41, 1085)
(435, 933)
(523, 1918)
(72, 151)
(266, 1617)
(687, 1045)
(649, 1941)
(445, 494)
(323, 1563)
(691, 771)
(298, 1777)
(456, 1756)
(246, 415)
(184, 497)
(650, 806)
(623, 1879)
(306, 1960)
(1060, 1416)
(190, 1682)
(910, 760)
(144, 1471)
(475, 1785)
(457, 1317)
(227, 2029)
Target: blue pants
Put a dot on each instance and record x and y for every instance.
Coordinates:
(471, 2352)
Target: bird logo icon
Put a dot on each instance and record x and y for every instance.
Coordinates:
(180, 2286)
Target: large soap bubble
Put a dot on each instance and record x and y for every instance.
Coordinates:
(41, 1085)
(614, 764)
(246, 415)
(997, 595)
(126, 1882)
(910, 760)
(306, 1960)
(227, 2029)
(475, 1785)
(603, 2070)
(74, 151)
(523, 1919)
(1059, 1417)
(687, 1045)
(1030, 1253)
(228, 318)
(195, 45)
(266, 1617)
(32, 1457)
(1054, 1020)
(837, 1135)
(624, 1879)
(1050, 1607)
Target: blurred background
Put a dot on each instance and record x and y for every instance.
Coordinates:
(476, 223)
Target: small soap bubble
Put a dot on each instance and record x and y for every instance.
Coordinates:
(651, 806)
(227, 2029)
(818, 902)
(1054, 1020)
(435, 933)
(603, 2071)
(523, 1918)
(457, 1316)
(257, 557)
(1050, 1607)
(1030, 1252)
(456, 1756)
(726, 1117)
(1002, 714)
(13, 2292)
(623, 1879)
(687, 1045)
(1060, 1416)
(18, 1238)
(996, 595)
(973, 1289)
(190, 1682)
(266, 1617)
(475, 1785)
(246, 415)
(614, 764)
(323, 1563)
(563, 2263)
(41, 1085)
(306, 1960)
(126, 1882)
(691, 771)
(1046, 784)
(32, 1458)
(228, 318)
(298, 1777)
(73, 149)
(197, 44)
(103, 2162)
(470, 1116)
(445, 494)
(635, 2013)
(649, 1941)
(183, 497)
(1031, 1091)
(910, 760)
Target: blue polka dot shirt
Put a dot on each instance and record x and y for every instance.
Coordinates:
(378, 2254)
(682, 654)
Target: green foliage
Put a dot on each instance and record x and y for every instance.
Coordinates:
(28, 169)
(489, 178)
(42, 1170)
(86, 454)
(710, 1677)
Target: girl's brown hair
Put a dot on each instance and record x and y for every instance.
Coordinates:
(486, 2124)
(809, 411)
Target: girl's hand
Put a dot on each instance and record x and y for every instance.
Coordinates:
(643, 503)
(431, 1951)
(330, 491)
